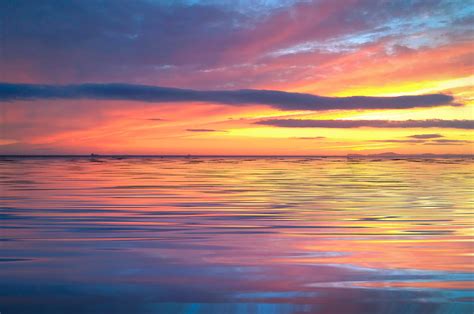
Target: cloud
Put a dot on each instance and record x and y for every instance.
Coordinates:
(426, 139)
(203, 130)
(310, 138)
(276, 99)
(451, 141)
(346, 124)
(400, 141)
(447, 141)
(182, 43)
(426, 136)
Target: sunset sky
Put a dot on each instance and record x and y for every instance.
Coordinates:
(235, 77)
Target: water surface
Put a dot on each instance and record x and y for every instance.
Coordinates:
(236, 235)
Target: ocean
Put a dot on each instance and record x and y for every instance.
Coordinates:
(236, 235)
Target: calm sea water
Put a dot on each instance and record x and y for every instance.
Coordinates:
(236, 235)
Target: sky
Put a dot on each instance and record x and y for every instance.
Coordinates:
(240, 77)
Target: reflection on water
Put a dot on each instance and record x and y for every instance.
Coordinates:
(236, 235)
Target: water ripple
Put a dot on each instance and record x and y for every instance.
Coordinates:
(236, 235)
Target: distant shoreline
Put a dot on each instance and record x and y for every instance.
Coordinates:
(350, 156)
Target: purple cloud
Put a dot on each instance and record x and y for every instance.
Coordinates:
(413, 141)
(426, 136)
(276, 99)
(164, 41)
(203, 130)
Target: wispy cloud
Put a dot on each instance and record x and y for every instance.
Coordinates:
(276, 99)
(203, 130)
(412, 141)
(426, 141)
(426, 136)
(345, 124)
(451, 142)
(310, 138)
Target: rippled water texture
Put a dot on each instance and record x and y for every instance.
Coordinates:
(236, 235)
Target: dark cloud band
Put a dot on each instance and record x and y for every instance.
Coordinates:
(347, 124)
(276, 99)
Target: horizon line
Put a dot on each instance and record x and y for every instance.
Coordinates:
(388, 154)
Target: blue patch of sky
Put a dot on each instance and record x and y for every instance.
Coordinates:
(428, 29)
(248, 7)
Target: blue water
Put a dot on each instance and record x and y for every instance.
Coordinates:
(236, 235)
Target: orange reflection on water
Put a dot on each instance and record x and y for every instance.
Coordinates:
(294, 231)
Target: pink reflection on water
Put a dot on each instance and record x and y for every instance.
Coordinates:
(286, 231)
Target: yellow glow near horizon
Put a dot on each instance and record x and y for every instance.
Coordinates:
(411, 88)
